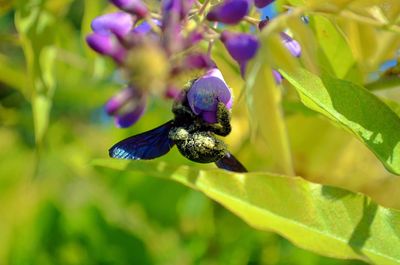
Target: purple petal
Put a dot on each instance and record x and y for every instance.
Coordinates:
(118, 23)
(172, 92)
(209, 116)
(193, 38)
(128, 119)
(198, 61)
(106, 45)
(262, 3)
(119, 100)
(207, 91)
(127, 106)
(180, 8)
(230, 11)
(134, 7)
(242, 47)
(145, 28)
(292, 45)
(173, 40)
(277, 76)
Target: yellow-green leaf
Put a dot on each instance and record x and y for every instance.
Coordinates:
(326, 220)
(354, 108)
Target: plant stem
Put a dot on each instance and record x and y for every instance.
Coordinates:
(203, 8)
(251, 20)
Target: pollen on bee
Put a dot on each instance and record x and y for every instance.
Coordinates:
(206, 142)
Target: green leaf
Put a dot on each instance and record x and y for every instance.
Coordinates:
(264, 101)
(354, 108)
(330, 221)
(334, 46)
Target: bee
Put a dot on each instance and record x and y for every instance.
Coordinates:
(195, 139)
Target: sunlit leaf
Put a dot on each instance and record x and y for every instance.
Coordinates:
(326, 220)
(264, 101)
(334, 46)
(354, 108)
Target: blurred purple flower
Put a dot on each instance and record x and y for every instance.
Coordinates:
(106, 45)
(277, 76)
(292, 45)
(230, 11)
(206, 92)
(127, 106)
(262, 3)
(118, 23)
(134, 7)
(177, 8)
(198, 61)
(174, 12)
(241, 46)
(172, 92)
(145, 28)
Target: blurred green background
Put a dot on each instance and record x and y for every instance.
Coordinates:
(56, 208)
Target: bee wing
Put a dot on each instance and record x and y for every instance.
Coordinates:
(147, 145)
(229, 162)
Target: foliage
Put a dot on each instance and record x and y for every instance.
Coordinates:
(334, 123)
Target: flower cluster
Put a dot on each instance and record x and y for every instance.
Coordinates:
(157, 49)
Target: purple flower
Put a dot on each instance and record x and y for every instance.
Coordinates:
(174, 13)
(277, 76)
(241, 46)
(106, 45)
(178, 8)
(172, 92)
(127, 106)
(292, 45)
(206, 92)
(198, 61)
(230, 11)
(145, 28)
(262, 3)
(134, 7)
(118, 23)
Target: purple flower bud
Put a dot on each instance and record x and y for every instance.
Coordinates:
(193, 38)
(206, 92)
(119, 100)
(277, 76)
(230, 11)
(179, 8)
(172, 92)
(134, 7)
(118, 23)
(198, 61)
(292, 45)
(106, 45)
(262, 3)
(263, 23)
(127, 106)
(241, 46)
(127, 119)
(173, 12)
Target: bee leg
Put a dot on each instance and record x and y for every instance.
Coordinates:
(223, 125)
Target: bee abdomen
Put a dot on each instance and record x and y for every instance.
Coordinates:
(202, 147)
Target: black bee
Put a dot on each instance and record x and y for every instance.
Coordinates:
(194, 138)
